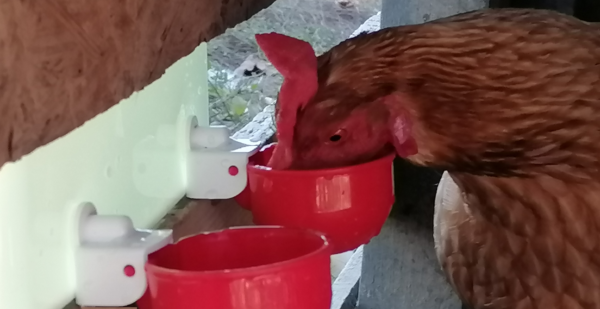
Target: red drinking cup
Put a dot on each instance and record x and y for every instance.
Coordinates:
(241, 268)
(348, 204)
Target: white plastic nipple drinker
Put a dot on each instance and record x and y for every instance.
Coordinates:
(217, 163)
(110, 258)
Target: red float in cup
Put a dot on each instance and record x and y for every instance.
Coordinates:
(241, 268)
(348, 204)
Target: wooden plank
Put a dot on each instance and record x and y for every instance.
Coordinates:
(352, 299)
(347, 280)
(65, 61)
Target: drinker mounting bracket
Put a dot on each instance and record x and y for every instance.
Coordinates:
(110, 258)
(216, 164)
(111, 254)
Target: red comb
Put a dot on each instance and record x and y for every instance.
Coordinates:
(296, 61)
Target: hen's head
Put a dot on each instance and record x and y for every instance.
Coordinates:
(339, 127)
(358, 113)
(324, 120)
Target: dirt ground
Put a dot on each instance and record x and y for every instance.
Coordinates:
(323, 23)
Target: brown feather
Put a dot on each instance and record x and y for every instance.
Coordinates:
(526, 83)
(508, 101)
(522, 242)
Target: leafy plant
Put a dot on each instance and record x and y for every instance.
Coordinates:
(234, 100)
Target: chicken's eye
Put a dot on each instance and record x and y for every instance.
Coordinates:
(335, 138)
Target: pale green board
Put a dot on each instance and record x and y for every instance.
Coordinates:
(129, 160)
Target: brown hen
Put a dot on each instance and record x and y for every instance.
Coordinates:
(508, 102)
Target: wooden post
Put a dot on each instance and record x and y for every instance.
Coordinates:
(65, 61)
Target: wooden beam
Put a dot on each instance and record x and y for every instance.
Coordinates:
(65, 61)
(345, 286)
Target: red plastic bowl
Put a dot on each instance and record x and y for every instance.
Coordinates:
(349, 204)
(241, 268)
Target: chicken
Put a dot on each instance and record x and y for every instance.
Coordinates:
(507, 101)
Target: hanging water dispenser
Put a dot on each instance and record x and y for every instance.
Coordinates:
(238, 268)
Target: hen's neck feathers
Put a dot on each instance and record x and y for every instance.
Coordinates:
(516, 92)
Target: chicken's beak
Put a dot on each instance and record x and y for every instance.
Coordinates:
(281, 158)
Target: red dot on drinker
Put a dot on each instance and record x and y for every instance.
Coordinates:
(233, 170)
(129, 271)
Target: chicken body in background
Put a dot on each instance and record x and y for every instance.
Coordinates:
(508, 102)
